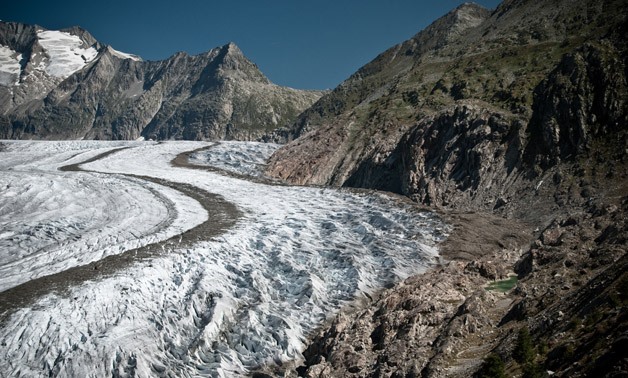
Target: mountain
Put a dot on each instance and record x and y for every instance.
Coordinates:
(66, 85)
(471, 81)
(513, 124)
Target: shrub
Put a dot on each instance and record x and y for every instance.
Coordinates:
(493, 367)
(532, 370)
(523, 352)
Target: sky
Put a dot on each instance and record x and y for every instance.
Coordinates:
(301, 44)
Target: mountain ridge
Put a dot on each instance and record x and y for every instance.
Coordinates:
(69, 86)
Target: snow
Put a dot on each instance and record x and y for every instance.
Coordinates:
(218, 307)
(123, 55)
(54, 220)
(10, 68)
(65, 52)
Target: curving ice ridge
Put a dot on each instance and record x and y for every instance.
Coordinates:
(217, 307)
(52, 220)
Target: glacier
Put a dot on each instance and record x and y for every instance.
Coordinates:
(10, 66)
(220, 305)
(65, 53)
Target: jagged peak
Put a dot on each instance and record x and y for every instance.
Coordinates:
(468, 6)
(17, 36)
(232, 48)
(231, 58)
(121, 55)
(83, 34)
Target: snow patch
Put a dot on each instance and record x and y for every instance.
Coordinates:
(123, 55)
(10, 67)
(65, 52)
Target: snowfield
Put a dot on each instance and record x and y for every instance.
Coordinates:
(220, 306)
(10, 67)
(65, 53)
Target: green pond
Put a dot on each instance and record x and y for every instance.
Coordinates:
(503, 285)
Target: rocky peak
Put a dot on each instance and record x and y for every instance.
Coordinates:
(232, 49)
(375, 79)
(465, 16)
(17, 36)
(65, 84)
(232, 63)
(83, 34)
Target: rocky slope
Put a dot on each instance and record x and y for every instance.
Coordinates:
(473, 70)
(66, 85)
(519, 113)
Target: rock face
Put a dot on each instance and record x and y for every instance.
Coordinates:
(66, 85)
(520, 113)
(471, 109)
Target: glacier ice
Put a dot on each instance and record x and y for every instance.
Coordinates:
(221, 306)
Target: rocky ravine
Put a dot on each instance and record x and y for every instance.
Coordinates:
(66, 85)
(517, 115)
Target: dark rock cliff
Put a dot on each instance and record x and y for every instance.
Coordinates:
(470, 110)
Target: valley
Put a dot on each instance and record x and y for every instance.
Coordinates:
(456, 207)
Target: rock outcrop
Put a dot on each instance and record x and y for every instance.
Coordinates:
(66, 85)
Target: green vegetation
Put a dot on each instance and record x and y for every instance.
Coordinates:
(503, 285)
(574, 324)
(524, 352)
(594, 318)
(542, 348)
(493, 367)
(533, 370)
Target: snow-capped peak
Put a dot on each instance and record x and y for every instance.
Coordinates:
(65, 51)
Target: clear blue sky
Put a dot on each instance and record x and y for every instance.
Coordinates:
(302, 44)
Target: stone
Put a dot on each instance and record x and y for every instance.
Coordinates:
(552, 236)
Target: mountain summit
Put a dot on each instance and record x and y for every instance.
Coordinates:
(66, 85)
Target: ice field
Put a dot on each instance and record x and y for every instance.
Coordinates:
(213, 306)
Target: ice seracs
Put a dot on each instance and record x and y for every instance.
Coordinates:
(244, 158)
